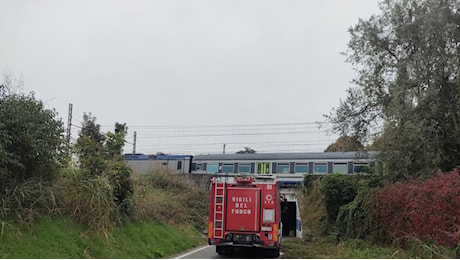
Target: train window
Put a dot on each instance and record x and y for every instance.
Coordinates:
(179, 165)
(360, 167)
(263, 168)
(340, 168)
(199, 167)
(244, 167)
(282, 168)
(227, 167)
(301, 168)
(320, 168)
(212, 168)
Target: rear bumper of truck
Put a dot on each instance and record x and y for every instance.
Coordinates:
(261, 244)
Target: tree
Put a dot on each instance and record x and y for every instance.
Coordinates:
(247, 150)
(92, 130)
(345, 144)
(407, 60)
(90, 147)
(101, 155)
(31, 141)
(116, 140)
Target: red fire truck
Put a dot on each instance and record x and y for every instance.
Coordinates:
(244, 211)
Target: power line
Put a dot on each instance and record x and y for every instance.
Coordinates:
(232, 134)
(267, 137)
(228, 125)
(298, 142)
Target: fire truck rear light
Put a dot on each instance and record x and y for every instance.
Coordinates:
(269, 215)
(266, 229)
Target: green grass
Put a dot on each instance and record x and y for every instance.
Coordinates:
(65, 238)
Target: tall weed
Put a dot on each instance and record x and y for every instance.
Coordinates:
(89, 200)
(169, 198)
(29, 200)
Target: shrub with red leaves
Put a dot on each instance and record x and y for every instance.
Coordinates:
(427, 210)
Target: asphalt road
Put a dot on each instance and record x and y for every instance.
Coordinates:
(209, 252)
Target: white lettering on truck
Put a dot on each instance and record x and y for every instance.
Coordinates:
(241, 211)
(241, 205)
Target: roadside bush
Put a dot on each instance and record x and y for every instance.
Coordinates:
(27, 201)
(338, 190)
(89, 200)
(427, 210)
(311, 205)
(164, 179)
(100, 155)
(119, 176)
(169, 198)
(309, 179)
(357, 218)
(31, 142)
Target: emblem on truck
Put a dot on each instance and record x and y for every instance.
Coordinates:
(269, 197)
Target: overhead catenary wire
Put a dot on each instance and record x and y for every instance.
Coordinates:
(224, 125)
(297, 136)
(267, 137)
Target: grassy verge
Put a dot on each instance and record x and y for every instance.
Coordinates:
(60, 237)
(77, 219)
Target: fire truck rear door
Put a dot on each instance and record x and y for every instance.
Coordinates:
(243, 209)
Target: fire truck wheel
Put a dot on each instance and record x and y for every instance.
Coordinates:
(225, 250)
(273, 252)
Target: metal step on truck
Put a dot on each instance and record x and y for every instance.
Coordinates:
(245, 211)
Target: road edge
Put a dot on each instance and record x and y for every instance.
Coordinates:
(191, 252)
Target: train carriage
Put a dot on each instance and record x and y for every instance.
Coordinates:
(289, 167)
(142, 163)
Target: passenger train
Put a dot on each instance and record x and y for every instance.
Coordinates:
(289, 167)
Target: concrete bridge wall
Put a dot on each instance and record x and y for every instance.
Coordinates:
(201, 179)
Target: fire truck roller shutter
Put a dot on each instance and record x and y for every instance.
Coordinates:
(243, 207)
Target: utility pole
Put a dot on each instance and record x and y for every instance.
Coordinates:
(69, 124)
(134, 142)
(224, 148)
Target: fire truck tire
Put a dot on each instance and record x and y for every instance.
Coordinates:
(273, 252)
(225, 250)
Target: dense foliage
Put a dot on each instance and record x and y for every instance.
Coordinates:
(31, 141)
(31, 154)
(169, 198)
(100, 156)
(427, 210)
(406, 102)
(98, 191)
(338, 190)
(357, 218)
(407, 88)
(424, 211)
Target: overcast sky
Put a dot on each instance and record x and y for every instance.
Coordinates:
(188, 76)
